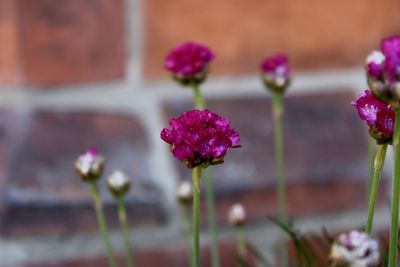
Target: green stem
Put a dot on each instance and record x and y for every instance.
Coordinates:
(371, 158)
(196, 216)
(212, 224)
(186, 229)
(125, 229)
(279, 161)
(378, 165)
(396, 192)
(198, 99)
(241, 242)
(102, 223)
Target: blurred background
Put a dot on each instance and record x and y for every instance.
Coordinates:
(76, 74)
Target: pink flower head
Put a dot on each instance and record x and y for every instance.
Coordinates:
(378, 115)
(276, 72)
(375, 62)
(189, 62)
(383, 70)
(391, 49)
(90, 165)
(354, 248)
(200, 138)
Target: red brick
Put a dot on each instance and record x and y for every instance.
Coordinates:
(325, 155)
(50, 42)
(42, 187)
(313, 33)
(9, 64)
(168, 257)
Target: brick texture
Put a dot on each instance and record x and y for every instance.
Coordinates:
(50, 42)
(325, 155)
(41, 186)
(171, 257)
(313, 33)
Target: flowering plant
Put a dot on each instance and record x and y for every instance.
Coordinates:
(189, 63)
(378, 115)
(200, 138)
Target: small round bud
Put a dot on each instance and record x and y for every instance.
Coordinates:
(90, 165)
(189, 63)
(185, 193)
(237, 215)
(275, 73)
(354, 249)
(118, 184)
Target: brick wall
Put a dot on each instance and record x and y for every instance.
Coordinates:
(80, 73)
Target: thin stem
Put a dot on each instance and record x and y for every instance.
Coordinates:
(378, 165)
(125, 230)
(196, 216)
(371, 158)
(198, 99)
(241, 242)
(102, 223)
(186, 229)
(395, 194)
(212, 224)
(279, 161)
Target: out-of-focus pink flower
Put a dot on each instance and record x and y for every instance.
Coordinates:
(378, 115)
(355, 249)
(383, 70)
(237, 215)
(375, 64)
(276, 72)
(189, 62)
(200, 138)
(90, 165)
(391, 49)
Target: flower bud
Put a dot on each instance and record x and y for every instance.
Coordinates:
(185, 193)
(189, 63)
(354, 249)
(275, 73)
(90, 165)
(237, 215)
(383, 71)
(118, 184)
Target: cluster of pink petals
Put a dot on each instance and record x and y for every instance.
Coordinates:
(355, 248)
(377, 114)
(277, 65)
(385, 64)
(200, 138)
(188, 59)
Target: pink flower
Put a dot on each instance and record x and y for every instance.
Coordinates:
(200, 138)
(383, 70)
(378, 115)
(391, 49)
(355, 248)
(90, 165)
(276, 72)
(189, 62)
(375, 64)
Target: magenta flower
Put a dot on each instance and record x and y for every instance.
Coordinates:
(355, 248)
(383, 70)
(374, 65)
(391, 49)
(276, 72)
(378, 115)
(189, 62)
(200, 138)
